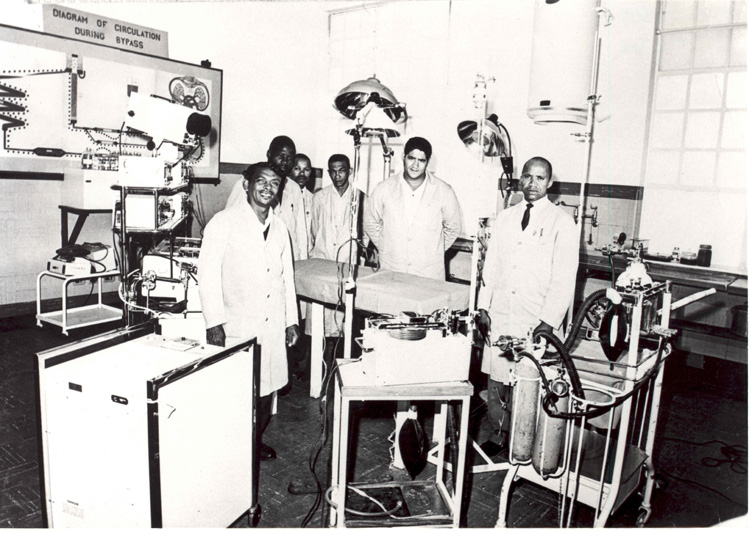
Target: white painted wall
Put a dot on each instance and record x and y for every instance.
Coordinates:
(277, 80)
(431, 64)
(273, 57)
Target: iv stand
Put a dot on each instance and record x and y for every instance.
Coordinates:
(588, 135)
(350, 286)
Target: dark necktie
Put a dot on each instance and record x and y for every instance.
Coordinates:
(526, 216)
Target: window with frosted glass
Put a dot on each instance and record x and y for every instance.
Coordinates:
(695, 170)
(698, 114)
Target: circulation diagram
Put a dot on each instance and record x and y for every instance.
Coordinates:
(58, 105)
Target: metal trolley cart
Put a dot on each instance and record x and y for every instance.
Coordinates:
(589, 436)
(417, 503)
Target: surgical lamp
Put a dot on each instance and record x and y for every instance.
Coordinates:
(374, 110)
(495, 140)
(486, 136)
(354, 96)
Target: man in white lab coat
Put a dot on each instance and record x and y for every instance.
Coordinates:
(290, 208)
(246, 283)
(301, 173)
(331, 219)
(413, 218)
(529, 274)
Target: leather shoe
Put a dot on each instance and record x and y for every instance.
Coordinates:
(491, 448)
(266, 452)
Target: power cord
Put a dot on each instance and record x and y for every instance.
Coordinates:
(323, 437)
(735, 455)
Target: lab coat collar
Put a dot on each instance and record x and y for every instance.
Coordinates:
(427, 186)
(252, 219)
(540, 205)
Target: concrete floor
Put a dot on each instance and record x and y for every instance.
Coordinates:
(700, 406)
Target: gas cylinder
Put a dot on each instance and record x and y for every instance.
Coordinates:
(524, 410)
(550, 431)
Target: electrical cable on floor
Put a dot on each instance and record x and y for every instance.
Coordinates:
(319, 444)
(326, 379)
(735, 454)
(376, 514)
(677, 478)
(323, 438)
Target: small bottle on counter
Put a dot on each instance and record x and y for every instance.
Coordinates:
(705, 255)
(675, 254)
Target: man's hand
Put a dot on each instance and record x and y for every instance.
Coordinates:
(543, 327)
(292, 335)
(216, 336)
(484, 324)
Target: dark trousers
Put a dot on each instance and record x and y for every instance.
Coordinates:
(264, 406)
(499, 405)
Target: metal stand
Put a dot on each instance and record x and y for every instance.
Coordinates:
(354, 385)
(588, 135)
(77, 317)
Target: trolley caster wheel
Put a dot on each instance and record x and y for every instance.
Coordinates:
(253, 515)
(643, 517)
(660, 482)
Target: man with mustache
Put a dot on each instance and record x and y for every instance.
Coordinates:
(290, 204)
(529, 275)
(246, 284)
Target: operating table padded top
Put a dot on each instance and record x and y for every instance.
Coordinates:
(381, 291)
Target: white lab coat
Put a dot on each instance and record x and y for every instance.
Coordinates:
(331, 218)
(291, 211)
(246, 284)
(529, 275)
(414, 243)
(307, 198)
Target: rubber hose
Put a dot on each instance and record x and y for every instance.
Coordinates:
(577, 321)
(598, 411)
(577, 386)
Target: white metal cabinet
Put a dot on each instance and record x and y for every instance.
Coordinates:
(139, 430)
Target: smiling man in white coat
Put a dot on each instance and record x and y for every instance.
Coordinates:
(246, 280)
(413, 218)
(529, 274)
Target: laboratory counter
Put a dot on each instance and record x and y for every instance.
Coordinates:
(721, 278)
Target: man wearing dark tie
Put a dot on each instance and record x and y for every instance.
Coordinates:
(529, 274)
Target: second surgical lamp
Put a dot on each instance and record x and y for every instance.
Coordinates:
(487, 137)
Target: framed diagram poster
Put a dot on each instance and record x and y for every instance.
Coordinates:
(65, 103)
